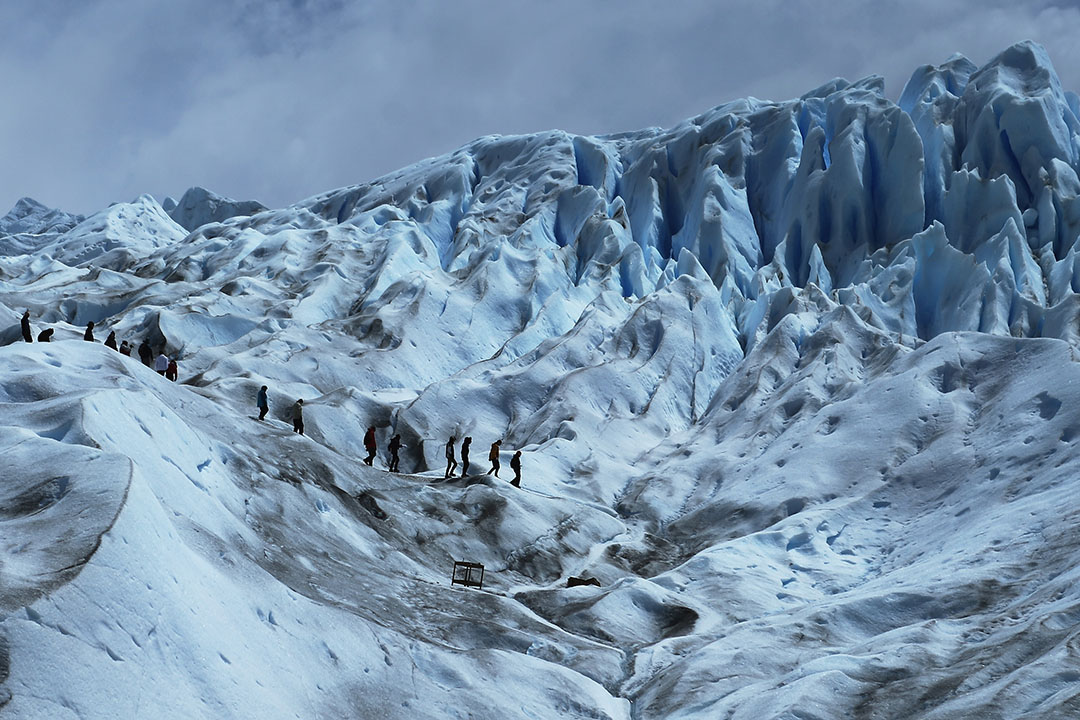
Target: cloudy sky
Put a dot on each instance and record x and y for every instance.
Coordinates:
(276, 100)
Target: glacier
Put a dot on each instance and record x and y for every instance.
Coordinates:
(793, 381)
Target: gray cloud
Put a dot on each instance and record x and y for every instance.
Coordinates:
(279, 99)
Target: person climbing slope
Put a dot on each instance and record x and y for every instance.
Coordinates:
(262, 403)
(89, 334)
(125, 349)
(26, 334)
(172, 371)
(515, 465)
(493, 457)
(298, 416)
(451, 462)
(46, 335)
(110, 342)
(395, 446)
(369, 444)
(161, 364)
(465, 456)
(146, 354)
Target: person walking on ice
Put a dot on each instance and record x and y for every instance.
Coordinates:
(298, 416)
(369, 444)
(515, 465)
(110, 342)
(89, 334)
(161, 364)
(493, 457)
(262, 403)
(394, 446)
(451, 462)
(146, 354)
(26, 334)
(172, 371)
(465, 456)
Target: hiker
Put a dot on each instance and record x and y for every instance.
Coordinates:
(395, 445)
(262, 403)
(298, 416)
(172, 372)
(146, 354)
(493, 456)
(369, 444)
(515, 465)
(46, 335)
(451, 463)
(26, 334)
(110, 342)
(161, 364)
(89, 334)
(465, 456)
(125, 349)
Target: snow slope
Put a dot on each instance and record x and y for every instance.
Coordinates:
(794, 382)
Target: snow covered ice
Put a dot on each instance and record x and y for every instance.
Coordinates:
(796, 382)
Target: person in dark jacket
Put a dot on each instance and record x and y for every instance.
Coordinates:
(515, 465)
(262, 403)
(465, 456)
(26, 334)
(125, 349)
(493, 457)
(369, 444)
(171, 370)
(451, 462)
(89, 334)
(146, 354)
(395, 446)
(110, 342)
(46, 335)
(298, 416)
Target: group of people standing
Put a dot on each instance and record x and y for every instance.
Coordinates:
(493, 457)
(370, 445)
(162, 363)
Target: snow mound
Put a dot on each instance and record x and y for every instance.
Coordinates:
(198, 206)
(30, 225)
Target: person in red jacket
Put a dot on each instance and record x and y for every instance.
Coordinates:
(369, 444)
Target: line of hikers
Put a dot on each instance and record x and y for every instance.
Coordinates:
(296, 412)
(162, 363)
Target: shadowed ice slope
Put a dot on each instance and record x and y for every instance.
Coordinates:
(795, 382)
